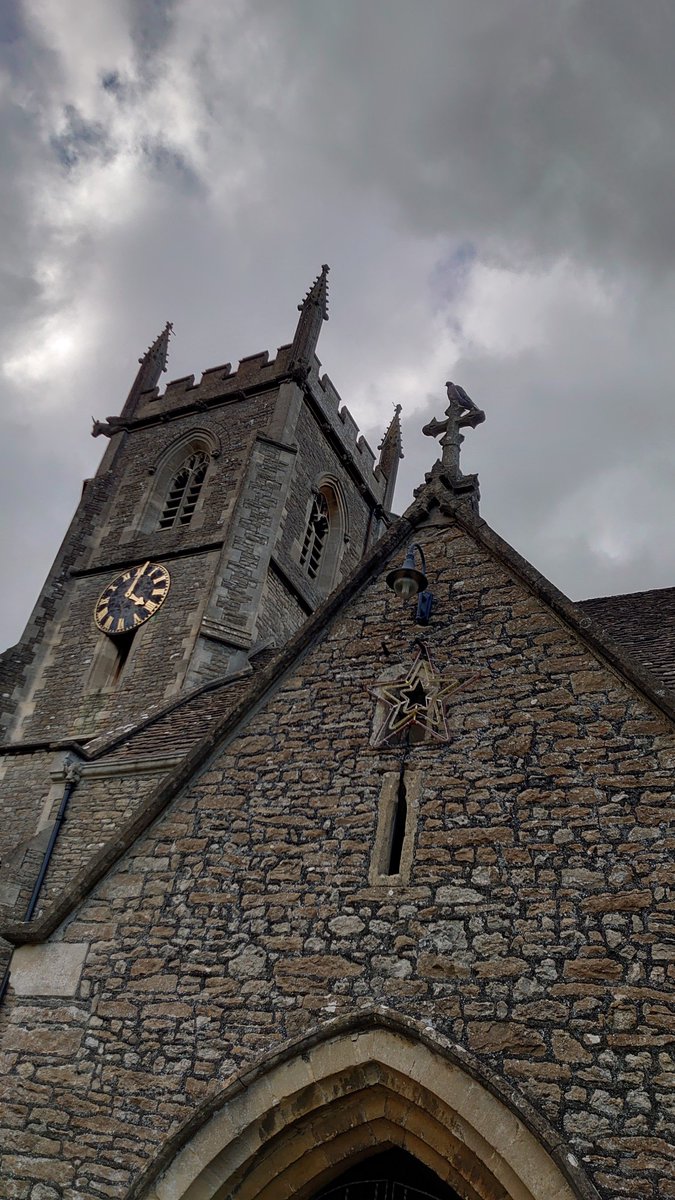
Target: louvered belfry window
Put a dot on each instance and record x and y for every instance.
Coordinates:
(315, 537)
(184, 490)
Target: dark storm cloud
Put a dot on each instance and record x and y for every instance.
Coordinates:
(543, 127)
(492, 184)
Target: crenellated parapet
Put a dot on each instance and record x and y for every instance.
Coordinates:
(295, 366)
(217, 384)
(258, 373)
(342, 422)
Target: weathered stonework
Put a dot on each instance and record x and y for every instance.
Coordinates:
(531, 934)
(274, 935)
(235, 587)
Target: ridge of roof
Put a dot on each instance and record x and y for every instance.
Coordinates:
(436, 495)
(650, 593)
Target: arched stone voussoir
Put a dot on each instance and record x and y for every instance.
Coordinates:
(321, 1144)
(294, 1120)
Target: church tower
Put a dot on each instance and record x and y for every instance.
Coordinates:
(222, 514)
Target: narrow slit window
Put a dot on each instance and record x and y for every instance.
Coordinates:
(398, 826)
(184, 491)
(398, 808)
(122, 643)
(110, 661)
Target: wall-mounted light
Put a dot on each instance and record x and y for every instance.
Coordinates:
(407, 581)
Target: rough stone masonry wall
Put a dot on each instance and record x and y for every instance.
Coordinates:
(534, 930)
(280, 615)
(25, 785)
(97, 808)
(231, 428)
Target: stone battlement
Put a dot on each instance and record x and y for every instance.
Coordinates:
(253, 370)
(342, 421)
(221, 383)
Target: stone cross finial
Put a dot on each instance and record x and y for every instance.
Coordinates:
(461, 411)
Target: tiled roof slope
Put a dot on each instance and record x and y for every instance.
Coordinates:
(175, 729)
(642, 624)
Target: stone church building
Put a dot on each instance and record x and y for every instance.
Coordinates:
(334, 845)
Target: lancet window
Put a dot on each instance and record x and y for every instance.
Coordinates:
(184, 490)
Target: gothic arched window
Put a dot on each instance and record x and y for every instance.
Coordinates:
(184, 489)
(325, 536)
(316, 535)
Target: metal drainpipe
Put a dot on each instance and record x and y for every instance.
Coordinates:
(72, 775)
(373, 515)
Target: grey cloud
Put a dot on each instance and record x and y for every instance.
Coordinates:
(151, 23)
(539, 127)
(80, 139)
(406, 145)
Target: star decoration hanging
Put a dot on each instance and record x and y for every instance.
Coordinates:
(417, 701)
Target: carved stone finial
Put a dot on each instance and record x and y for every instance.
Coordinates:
(391, 444)
(318, 293)
(460, 413)
(156, 356)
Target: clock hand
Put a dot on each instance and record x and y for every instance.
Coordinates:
(128, 594)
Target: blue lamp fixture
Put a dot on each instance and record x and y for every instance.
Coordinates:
(407, 581)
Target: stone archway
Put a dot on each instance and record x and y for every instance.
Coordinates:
(359, 1087)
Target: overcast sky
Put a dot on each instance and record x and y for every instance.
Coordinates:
(491, 182)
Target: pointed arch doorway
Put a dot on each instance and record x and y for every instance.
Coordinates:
(295, 1126)
(392, 1174)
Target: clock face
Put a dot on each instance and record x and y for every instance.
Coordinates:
(132, 598)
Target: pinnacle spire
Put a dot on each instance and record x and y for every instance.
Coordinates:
(318, 293)
(391, 452)
(159, 349)
(313, 312)
(152, 364)
(155, 358)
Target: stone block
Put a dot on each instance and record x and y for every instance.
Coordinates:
(52, 969)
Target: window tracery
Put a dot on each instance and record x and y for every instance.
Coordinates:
(184, 491)
(326, 535)
(315, 536)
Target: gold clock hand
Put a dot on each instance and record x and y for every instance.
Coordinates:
(128, 593)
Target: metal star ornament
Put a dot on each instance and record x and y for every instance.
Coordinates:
(417, 702)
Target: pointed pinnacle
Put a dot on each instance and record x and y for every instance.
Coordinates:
(159, 350)
(392, 440)
(318, 293)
